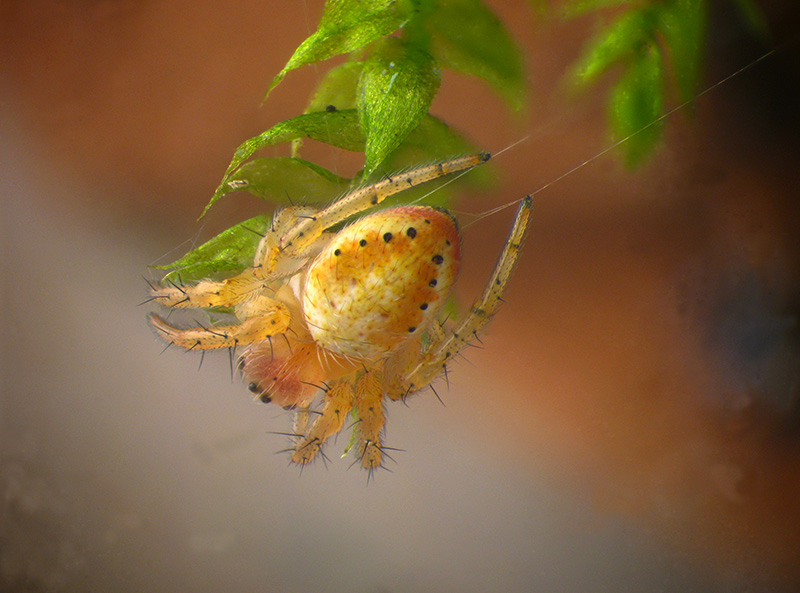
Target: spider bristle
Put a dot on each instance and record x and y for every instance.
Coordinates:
(149, 300)
(324, 457)
(202, 358)
(384, 453)
(471, 345)
(288, 343)
(324, 387)
(292, 435)
(253, 231)
(436, 393)
(178, 287)
(231, 356)
(463, 357)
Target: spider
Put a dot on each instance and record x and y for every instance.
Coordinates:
(352, 314)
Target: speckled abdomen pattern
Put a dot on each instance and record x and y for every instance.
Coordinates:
(381, 280)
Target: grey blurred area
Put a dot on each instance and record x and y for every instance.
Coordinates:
(630, 422)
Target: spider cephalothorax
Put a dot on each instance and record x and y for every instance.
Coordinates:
(352, 314)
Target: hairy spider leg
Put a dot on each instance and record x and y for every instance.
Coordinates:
(273, 319)
(282, 222)
(440, 351)
(338, 403)
(371, 419)
(302, 236)
(207, 293)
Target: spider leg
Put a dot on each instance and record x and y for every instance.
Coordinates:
(371, 419)
(301, 420)
(441, 351)
(208, 293)
(338, 403)
(301, 236)
(270, 322)
(267, 264)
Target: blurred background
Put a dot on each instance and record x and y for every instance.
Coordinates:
(631, 422)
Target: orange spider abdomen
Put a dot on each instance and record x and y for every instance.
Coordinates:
(381, 280)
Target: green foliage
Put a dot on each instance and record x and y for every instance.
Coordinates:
(636, 104)
(228, 253)
(467, 37)
(377, 101)
(395, 90)
(391, 81)
(658, 46)
(286, 180)
(345, 26)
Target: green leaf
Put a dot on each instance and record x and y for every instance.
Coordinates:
(683, 23)
(753, 16)
(434, 141)
(613, 44)
(228, 253)
(287, 180)
(338, 128)
(636, 104)
(338, 88)
(468, 37)
(346, 25)
(397, 85)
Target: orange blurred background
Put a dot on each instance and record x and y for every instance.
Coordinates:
(630, 422)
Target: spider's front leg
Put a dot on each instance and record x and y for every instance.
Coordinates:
(444, 347)
(302, 237)
(269, 318)
(270, 261)
(208, 293)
